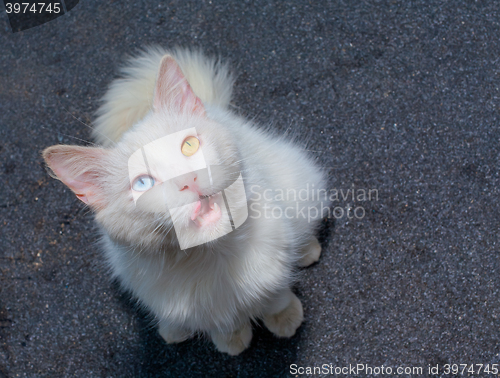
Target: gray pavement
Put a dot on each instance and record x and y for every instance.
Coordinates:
(398, 96)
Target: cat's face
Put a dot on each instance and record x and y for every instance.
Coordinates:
(173, 179)
(175, 168)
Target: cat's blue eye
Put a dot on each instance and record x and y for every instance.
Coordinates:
(143, 183)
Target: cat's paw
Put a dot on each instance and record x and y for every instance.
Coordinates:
(173, 335)
(233, 343)
(311, 253)
(286, 322)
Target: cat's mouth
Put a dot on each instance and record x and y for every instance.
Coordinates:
(207, 211)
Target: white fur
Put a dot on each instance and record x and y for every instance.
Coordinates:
(129, 98)
(218, 287)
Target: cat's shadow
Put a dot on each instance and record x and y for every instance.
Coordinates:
(325, 231)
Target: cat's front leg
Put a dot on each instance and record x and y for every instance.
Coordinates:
(173, 334)
(233, 343)
(311, 253)
(284, 315)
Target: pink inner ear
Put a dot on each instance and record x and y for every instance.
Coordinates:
(79, 168)
(173, 91)
(84, 188)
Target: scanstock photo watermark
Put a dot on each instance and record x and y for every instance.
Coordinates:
(442, 370)
(310, 202)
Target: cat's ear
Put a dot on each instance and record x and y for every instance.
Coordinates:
(172, 90)
(82, 169)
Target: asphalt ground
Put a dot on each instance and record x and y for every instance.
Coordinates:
(401, 97)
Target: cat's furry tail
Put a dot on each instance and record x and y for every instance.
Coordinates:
(130, 97)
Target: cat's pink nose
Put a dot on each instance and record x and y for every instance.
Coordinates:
(189, 184)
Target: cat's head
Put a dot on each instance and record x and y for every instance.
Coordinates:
(173, 179)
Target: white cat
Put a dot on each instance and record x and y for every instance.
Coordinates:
(170, 112)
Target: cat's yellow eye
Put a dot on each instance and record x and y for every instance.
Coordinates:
(190, 146)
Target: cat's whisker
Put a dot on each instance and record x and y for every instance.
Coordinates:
(89, 126)
(72, 137)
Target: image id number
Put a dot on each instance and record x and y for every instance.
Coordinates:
(32, 8)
